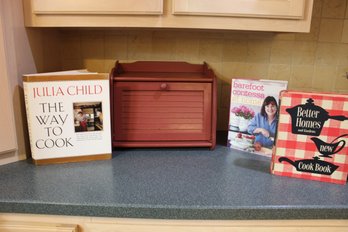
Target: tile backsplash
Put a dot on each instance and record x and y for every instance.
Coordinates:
(315, 61)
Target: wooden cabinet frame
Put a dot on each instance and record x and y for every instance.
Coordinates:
(254, 15)
(8, 136)
(92, 7)
(102, 224)
(287, 9)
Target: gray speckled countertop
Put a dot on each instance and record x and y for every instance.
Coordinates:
(173, 183)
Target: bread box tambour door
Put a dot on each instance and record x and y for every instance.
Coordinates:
(160, 107)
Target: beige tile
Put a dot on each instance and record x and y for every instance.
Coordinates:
(334, 8)
(187, 48)
(256, 71)
(116, 47)
(71, 47)
(331, 30)
(178, 33)
(92, 46)
(71, 64)
(345, 31)
(327, 54)
(341, 81)
(206, 33)
(317, 6)
(323, 78)
(237, 35)
(284, 36)
(51, 50)
(163, 48)
(301, 77)
(343, 54)
(232, 70)
(109, 64)
(313, 34)
(281, 52)
(259, 51)
(94, 65)
(279, 72)
(219, 83)
(215, 66)
(225, 96)
(210, 49)
(222, 119)
(139, 46)
(304, 53)
(235, 50)
(88, 32)
(116, 32)
(258, 35)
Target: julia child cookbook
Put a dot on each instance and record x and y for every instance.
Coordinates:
(312, 139)
(68, 116)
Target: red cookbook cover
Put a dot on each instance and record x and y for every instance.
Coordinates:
(312, 137)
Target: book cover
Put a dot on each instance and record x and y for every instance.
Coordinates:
(254, 115)
(68, 116)
(312, 137)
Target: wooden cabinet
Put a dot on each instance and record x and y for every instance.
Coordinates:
(256, 15)
(7, 133)
(92, 7)
(287, 9)
(15, 226)
(100, 224)
(157, 104)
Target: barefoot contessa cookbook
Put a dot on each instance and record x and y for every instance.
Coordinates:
(312, 138)
(254, 115)
(68, 116)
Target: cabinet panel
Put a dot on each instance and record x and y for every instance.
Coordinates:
(105, 224)
(13, 226)
(154, 7)
(241, 8)
(255, 15)
(7, 133)
(146, 111)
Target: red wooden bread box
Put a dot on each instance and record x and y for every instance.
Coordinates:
(163, 104)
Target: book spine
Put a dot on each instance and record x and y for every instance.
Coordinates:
(28, 112)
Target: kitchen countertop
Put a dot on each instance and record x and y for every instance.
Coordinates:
(169, 183)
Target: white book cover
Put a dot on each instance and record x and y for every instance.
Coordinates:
(68, 115)
(254, 116)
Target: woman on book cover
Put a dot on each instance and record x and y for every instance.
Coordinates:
(264, 124)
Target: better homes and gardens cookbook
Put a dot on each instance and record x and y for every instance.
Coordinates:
(312, 138)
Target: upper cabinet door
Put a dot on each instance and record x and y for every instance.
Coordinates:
(134, 7)
(254, 15)
(287, 9)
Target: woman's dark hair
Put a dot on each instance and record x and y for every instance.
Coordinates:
(267, 101)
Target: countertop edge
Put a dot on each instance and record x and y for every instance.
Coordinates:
(285, 213)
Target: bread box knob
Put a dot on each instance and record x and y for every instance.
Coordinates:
(164, 86)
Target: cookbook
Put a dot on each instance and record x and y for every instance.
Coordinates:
(312, 137)
(68, 115)
(254, 115)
